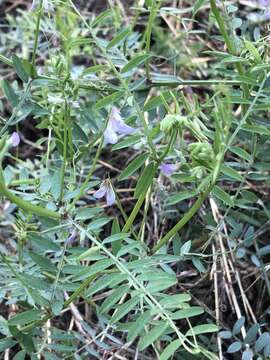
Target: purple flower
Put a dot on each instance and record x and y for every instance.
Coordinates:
(33, 6)
(72, 237)
(116, 125)
(264, 3)
(168, 169)
(47, 6)
(267, 14)
(106, 189)
(14, 139)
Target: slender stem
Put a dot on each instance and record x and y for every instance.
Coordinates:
(89, 176)
(230, 46)
(17, 108)
(169, 146)
(125, 217)
(192, 211)
(153, 13)
(137, 206)
(73, 297)
(24, 182)
(64, 163)
(5, 60)
(37, 33)
(25, 205)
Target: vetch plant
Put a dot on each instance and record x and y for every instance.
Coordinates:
(107, 105)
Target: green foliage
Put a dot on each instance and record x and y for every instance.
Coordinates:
(176, 138)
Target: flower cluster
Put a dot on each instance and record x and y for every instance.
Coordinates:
(170, 121)
(116, 126)
(201, 152)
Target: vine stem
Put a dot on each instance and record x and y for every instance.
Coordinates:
(25, 205)
(63, 168)
(89, 176)
(153, 13)
(37, 33)
(138, 205)
(231, 48)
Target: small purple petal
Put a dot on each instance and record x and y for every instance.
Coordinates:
(100, 192)
(168, 169)
(264, 2)
(121, 127)
(118, 124)
(110, 135)
(267, 14)
(72, 237)
(47, 6)
(115, 114)
(110, 195)
(14, 140)
(33, 6)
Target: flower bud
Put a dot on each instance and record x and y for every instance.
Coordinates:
(201, 152)
(198, 172)
(14, 139)
(171, 120)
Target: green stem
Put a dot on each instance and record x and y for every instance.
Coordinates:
(17, 108)
(141, 198)
(153, 13)
(36, 34)
(6, 61)
(64, 164)
(25, 205)
(137, 207)
(192, 211)
(134, 213)
(230, 46)
(123, 213)
(24, 182)
(73, 297)
(89, 176)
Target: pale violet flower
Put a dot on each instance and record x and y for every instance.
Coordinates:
(264, 3)
(116, 126)
(46, 4)
(106, 189)
(14, 139)
(72, 237)
(168, 169)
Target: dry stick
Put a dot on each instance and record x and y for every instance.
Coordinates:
(78, 319)
(215, 275)
(226, 266)
(246, 303)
